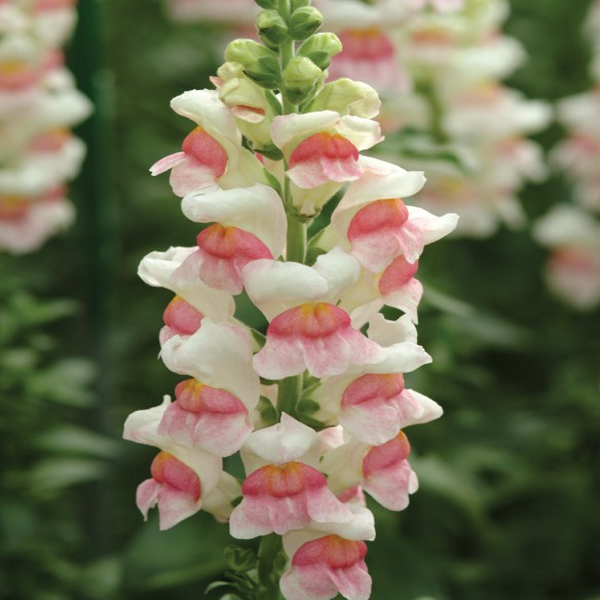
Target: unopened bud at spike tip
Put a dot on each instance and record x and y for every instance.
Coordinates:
(272, 29)
(259, 63)
(320, 48)
(301, 77)
(266, 3)
(304, 22)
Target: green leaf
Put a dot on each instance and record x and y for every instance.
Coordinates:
(70, 439)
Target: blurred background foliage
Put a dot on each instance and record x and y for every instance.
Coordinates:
(510, 477)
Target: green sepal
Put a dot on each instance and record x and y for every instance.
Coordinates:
(308, 407)
(267, 411)
(237, 500)
(274, 103)
(271, 152)
(273, 182)
(240, 559)
(258, 337)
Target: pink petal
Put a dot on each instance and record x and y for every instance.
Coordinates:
(208, 417)
(166, 163)
(323, 334)
(387, 474)
(322, 567)
(285, 498)
(190, 176)
(225, 252)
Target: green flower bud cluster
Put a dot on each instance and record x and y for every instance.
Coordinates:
(294, 58)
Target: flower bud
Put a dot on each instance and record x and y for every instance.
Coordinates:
(320, 48)
(272, 29)
(301, 78)
(304, 22)
(296, 4)
(253, 106)
(347, 97)
(259, 63)
(266, 3)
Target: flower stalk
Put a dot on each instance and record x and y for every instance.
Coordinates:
(317, 407)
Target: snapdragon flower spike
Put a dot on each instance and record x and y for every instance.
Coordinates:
(200, 164)
(317, 337)
(180, 318)
(322, 567)
(211, 418)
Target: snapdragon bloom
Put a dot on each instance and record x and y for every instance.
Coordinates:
(315, 402)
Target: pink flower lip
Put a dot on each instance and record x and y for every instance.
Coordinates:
(14, 208)
(181, 317)
(368, 44)
(170, 471)
(48, 5)
(397, 274)
(228, 242)
(16, 76)
(204, 149)
(381, 214)
(50, 141)
(323, 145)
(283, 481)
(380, 458)
(574, 259)
(310, 320)
(195, 397)
(334, 551)
(370, 386)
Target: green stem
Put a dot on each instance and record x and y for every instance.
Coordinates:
(286, 53)
(437, 113)
(289, 393)
(270, 546)
(296, 240)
